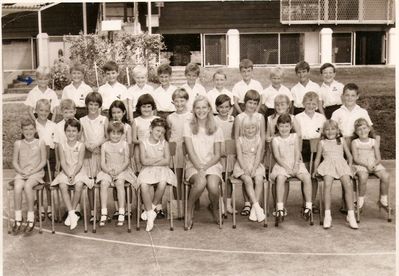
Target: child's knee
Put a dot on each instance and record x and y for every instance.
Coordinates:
(162, 185)
(104, 184)
(79, 186)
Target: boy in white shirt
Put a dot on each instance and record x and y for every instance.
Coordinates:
(330, 91)
(246, 84)
(193, 87)
(77, 90)
(140, 75)
(42, 91)
(163, 94)
(274, 89)
(219, 79)
(302, 70)
(68, 111)
(112, 90)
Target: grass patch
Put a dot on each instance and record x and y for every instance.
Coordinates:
(377, 86)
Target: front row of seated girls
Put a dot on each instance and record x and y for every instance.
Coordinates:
(104, 155)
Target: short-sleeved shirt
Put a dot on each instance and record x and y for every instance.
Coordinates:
(177, 122)
(298, 91)
(60, 137)
(241, 88)
(226, 126)
(270, 93)
(36, 94)
(194, 92)
(203, 144)
(163, 98)
(346, 118)
(311, 127)
(77, 95)
(47, 132)
(331, 94)
(214, 93)
(134, 92)
(111, 93)
(93, 130)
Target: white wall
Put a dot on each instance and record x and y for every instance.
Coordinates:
(17, 55)
(311, 45)
(55, 44)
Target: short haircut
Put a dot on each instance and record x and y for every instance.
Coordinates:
(283, 119)
(249, 121)
(221, 99)
(67, 104)
(43, 71)
(276, 71)
(78, 67)
(94, 97)
(328, 124)
(140, 69)
(143, 100)
(110, 66)
(246, 63)
(43, 102)
(219, 72)
(252, 95)
(118, 104)
(26, 121)
(192, 67)
(326, 65)
(361, 121)
(119, 127)
(351, 86)
(310, 96)
(302, 65)
(180, 93)
(282, 97)
(159, 122)
(164, 69)
(73, 123)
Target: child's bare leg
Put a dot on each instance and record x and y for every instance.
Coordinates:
(159, 192)
(77, 195)
(137, 158)
(104, 196)
(213, 190)
(286, 191)
(178, 189)
(18, 187)
(258, 187)
(245, 195)
(29, 184)
(384, 178)
(348, 188)
(65, 195)
(120, 188)
(146, 196)
(249, 188)
(307, 187)
(198, 183)
(280, 191)
(363, 177)
(328, 180)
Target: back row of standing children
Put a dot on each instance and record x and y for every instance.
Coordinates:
(167, 101)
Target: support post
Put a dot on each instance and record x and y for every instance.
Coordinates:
(84, 18)
(326, 45)
(43, 49)
(149, 17)
(233, 46)
(392, 46)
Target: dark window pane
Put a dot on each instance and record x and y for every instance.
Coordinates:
(215, 49)
(260, 48)
(291, 48)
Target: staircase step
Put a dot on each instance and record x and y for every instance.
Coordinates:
(19, 84)
(20, 90)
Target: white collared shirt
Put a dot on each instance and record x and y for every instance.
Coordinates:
(346, 118)
(214, 93)
(311, 127)
(194, 92)
(134, 92)
(111, 93)
(163, 98)
(77, 95)
(298, 91)
(241, 88)
(270, 93)
(331, 94)
(47, 132)
(36, 94)
(60, 137)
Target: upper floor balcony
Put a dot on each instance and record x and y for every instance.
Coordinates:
(337, 11)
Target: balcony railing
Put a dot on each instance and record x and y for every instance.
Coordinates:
(337, 11)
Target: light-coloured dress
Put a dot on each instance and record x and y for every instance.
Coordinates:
(71, 154)
(334, 163)
(143, 127)
(249, 148)
(366, 154)
(203, 145)
(286, 152)
(156, 174)
(176, 122)
(227, 127)
(93, 132)
(115, 155)
(29, 158)
(257, 117)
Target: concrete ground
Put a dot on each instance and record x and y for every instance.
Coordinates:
(294, 248)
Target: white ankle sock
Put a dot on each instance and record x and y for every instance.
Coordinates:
(104, 211)
(18, 215)
(48, 209)
(351, 213)
(159, 207)
(327, 213)
(384, 199)
(121, 211)
(228, 202)
(280, 205)
(308, 205)
(256, 205)
(72, 212)
(30, 216)
(360, 201)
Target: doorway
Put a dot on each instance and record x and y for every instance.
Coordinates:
(369, 48)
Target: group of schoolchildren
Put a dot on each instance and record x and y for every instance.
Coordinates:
(118, 135)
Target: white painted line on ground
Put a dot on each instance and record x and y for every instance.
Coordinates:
(220, 250)
(155, 254)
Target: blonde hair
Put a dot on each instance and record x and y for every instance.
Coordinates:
(43, 71)
(43, 102)
(361, 121)
(140, 69)
(67, 104)
(277, 71)
(310, 96)
(210, 125)
(248, 121)
(333, 124)
(280, 98)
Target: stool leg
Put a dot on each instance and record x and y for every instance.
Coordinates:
(178, 189)
(265, 203)
(39, 207)
(94, 210)
(52, 210)
(84, 208)
(321, 202)
(185, 207)
(129, 226)
(220, 205)
(357, 200)
(389, 206)
(233, 198)
(138, 208)
(9, 212)
(59, 206)
(170, 206)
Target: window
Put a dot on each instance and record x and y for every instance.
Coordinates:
(291, 48)
(342, 48)
(215, 49)
(260, 48)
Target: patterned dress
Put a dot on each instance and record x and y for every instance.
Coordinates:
(249, 151)
(29, 158)
(366, 154)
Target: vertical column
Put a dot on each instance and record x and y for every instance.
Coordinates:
(84, 18)
(149, 17)
(325, 45)
(392, 46)
(43, 49)
(233, 46)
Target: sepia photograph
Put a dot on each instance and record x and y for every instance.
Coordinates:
(219, 137)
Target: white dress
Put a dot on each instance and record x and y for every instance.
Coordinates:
(156, 174)
(366, 154)
(227, 128)
(249, 150)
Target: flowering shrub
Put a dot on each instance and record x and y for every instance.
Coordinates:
(60, 74)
